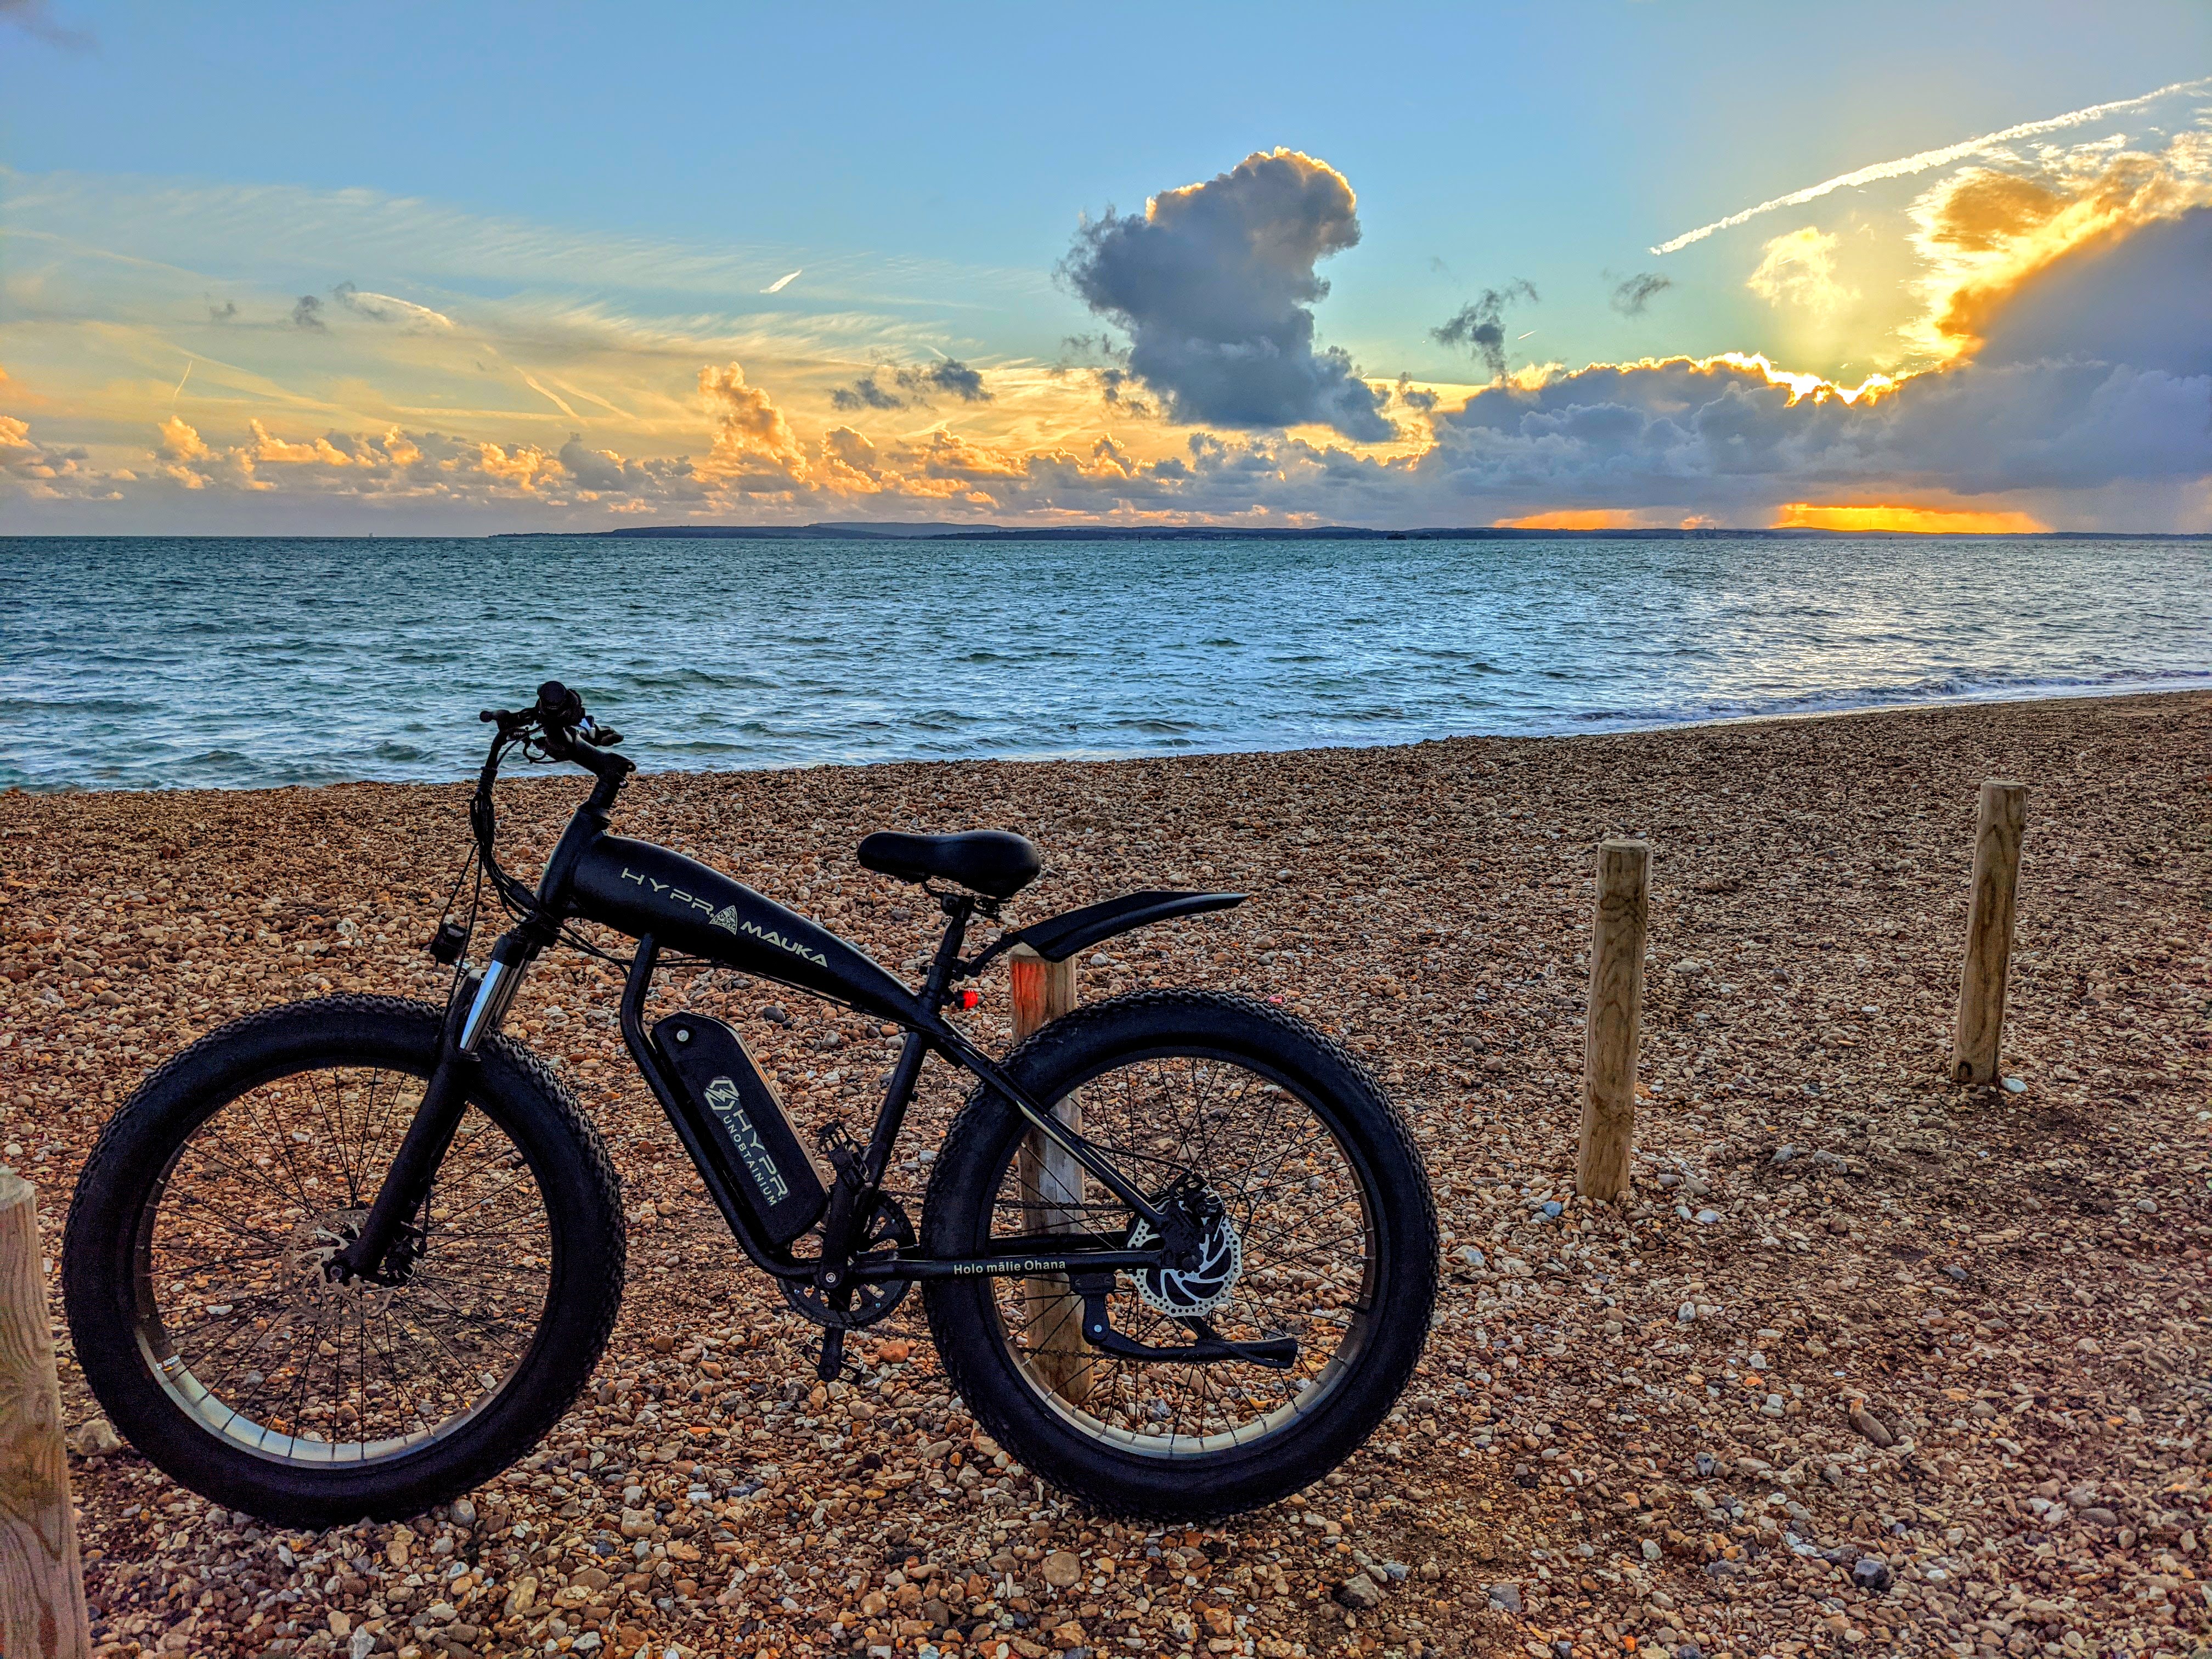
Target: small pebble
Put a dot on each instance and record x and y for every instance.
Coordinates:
(1871, 1572)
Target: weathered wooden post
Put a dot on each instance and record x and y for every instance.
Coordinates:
(1616, 1016)
(1047, 1178)
(1974, 1041)
(41, 1586)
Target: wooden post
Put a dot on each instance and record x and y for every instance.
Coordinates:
(2002, 817)
(41, 1587)
(1047, 1176)
(1616, 1014)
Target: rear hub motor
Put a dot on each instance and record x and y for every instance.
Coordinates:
(1205, 1254)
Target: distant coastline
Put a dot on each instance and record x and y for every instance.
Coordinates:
(863, 529)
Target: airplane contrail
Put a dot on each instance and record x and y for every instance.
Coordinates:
(777, 287)
(1931, 158)
(181, 379)
(549, 396)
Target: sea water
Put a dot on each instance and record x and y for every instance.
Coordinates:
(147, 663)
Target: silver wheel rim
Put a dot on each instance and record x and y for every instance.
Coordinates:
(1291, 1231)
(241, 1329)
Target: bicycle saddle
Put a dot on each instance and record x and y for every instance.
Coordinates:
(994, 861)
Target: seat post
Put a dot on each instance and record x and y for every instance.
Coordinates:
(958, 908)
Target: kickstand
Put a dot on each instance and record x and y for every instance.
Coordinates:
(832, 1359)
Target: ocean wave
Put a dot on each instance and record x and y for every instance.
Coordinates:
(172, 662)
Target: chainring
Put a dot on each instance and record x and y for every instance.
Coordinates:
(866, 1300)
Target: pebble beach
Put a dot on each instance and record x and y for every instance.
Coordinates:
(1868, 1362)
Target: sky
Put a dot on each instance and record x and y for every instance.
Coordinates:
(441, 269)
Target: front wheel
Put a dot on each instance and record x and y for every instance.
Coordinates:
(1319, 1226)
(194, 1268)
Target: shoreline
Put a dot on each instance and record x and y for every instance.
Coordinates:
(2170, 685)
(1850, 1311)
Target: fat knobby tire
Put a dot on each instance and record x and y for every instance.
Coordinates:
(513, 1087)
(969, 1335)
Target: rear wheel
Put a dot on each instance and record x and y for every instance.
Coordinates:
(1314, 1222)
(193, 1269)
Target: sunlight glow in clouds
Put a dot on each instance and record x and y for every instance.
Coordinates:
(1928, 160)
(2028, 337)
(1917, 520)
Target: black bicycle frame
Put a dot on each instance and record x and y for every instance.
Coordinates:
(663, 899)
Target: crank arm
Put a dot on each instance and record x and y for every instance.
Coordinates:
(1276, 1353)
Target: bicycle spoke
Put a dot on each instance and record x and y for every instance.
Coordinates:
(1283, 1180)
(237, 1271)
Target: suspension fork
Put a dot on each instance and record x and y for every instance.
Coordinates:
(445, 1099)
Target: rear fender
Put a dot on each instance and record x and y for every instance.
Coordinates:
(1063, 935)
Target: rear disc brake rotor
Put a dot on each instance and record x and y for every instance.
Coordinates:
(1204, 1283)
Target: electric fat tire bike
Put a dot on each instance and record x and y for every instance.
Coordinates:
(353, 1256)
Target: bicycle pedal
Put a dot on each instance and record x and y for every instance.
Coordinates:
(832, 1358)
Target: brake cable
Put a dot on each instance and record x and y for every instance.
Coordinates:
(515, 896)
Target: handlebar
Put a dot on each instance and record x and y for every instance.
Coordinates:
(564, 730)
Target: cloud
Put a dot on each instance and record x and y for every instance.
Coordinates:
(221, 313)
(1632, 295)
(388, 308)
(866, 393)
(45, 471)
(1799, 268)
(2083, 396)
(1214, 284)
(907, 386)
(181, 442)
(753, 450)
(1987, 233)
(1478, 326)
(307, 312)
(2145, 299)
(850, 462)
(1927, 160)
(954, 379)
(36, 19)
(1731, 436)
(1419, 399)
(784, 281)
